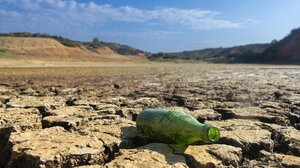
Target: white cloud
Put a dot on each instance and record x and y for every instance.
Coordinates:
(68, 11)
(72, 4)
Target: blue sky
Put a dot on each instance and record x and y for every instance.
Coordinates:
(155, 25)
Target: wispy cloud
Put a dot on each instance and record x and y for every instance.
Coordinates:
(162, 35)
(70, 12)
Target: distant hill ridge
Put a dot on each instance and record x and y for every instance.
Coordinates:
(285, 51)
(48, 47)
(237, 54)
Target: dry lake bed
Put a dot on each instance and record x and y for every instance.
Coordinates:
(85, 116)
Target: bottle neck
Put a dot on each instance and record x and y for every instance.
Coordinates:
(209, 133)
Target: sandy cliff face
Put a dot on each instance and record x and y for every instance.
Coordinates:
(28, 43)
(51, 50)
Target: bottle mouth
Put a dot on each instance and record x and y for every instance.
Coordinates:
(213, 134)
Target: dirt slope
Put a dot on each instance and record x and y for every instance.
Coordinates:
(48, 49)
(28, 43)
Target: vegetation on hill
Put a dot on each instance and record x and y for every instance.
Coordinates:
(241, 54)
(285, 51)
(246, 53)
(124, 49)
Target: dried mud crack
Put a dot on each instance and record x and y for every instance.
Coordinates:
(85, 117)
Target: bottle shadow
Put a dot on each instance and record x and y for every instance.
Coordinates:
(172, 154)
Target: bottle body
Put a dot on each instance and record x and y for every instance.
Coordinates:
(174, 127)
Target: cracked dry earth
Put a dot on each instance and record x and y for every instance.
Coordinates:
(85, 117)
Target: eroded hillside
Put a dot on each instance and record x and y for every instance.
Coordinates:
(48, 49)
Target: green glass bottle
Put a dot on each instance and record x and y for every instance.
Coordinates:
(175, 127)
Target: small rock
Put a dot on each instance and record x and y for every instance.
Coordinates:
(231, 96)
(71, 101)
(278, 94)
(116, 86)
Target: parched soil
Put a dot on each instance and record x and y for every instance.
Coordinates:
(85, 117)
